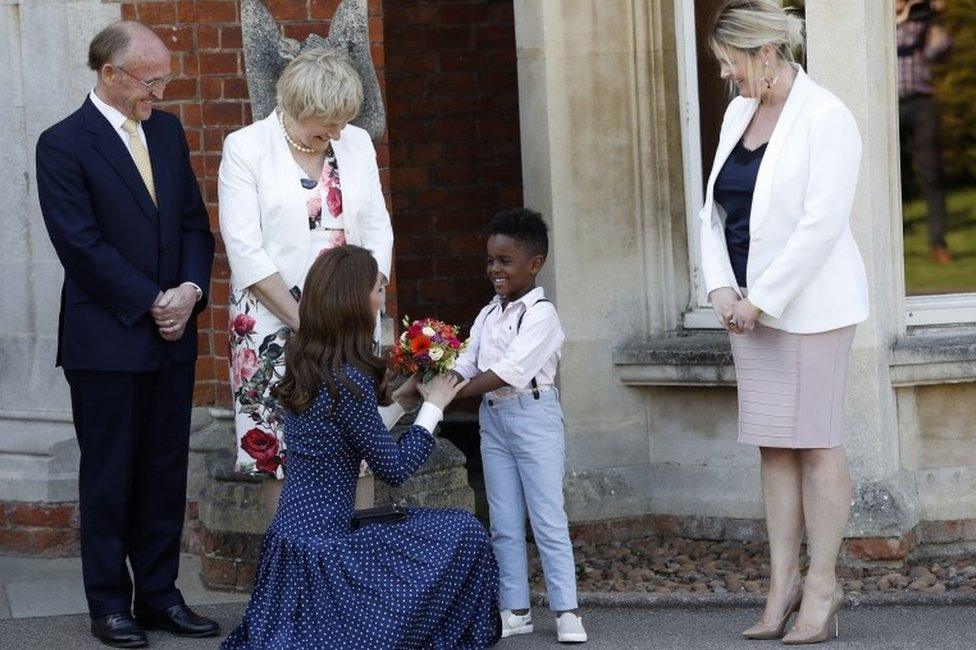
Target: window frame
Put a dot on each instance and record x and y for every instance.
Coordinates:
(699, 314)
(939, 309)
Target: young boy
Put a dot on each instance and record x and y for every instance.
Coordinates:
(511, 360)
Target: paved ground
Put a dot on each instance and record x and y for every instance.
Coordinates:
(31, 587)
(42, 605)
(942, 628)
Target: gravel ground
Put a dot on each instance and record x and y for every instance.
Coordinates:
(682, 566)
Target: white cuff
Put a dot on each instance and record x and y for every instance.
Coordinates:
(195, 288)
(428, 418)
(391, 414)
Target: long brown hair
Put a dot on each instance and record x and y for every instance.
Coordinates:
(337, 325)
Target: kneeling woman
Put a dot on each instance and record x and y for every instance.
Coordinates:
(429, 581)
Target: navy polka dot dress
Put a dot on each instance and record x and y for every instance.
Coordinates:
(429, 581)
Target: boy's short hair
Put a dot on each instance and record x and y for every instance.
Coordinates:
(524, 226)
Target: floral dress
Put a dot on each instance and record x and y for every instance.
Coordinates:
(257, 336)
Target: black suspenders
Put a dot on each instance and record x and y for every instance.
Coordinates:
(518, 327)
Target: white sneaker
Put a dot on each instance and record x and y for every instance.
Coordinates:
(569, 629)
(513, 624)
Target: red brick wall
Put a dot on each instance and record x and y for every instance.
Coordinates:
(211, 99)
(39, 529)
(454, 146)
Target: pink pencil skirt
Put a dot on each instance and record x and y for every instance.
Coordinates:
(791, 387)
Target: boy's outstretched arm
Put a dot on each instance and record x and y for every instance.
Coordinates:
(483, 382)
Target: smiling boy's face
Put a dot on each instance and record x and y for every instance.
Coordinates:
(511, 267)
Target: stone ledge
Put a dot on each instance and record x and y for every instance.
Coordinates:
(928, 358)
(688, 358)
(704, 358)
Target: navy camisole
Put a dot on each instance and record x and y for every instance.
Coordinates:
(733, 190)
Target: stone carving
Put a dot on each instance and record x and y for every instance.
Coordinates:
(266, 52)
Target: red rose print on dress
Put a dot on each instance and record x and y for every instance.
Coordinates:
(334, 200)
(243, 324)
(263, 448)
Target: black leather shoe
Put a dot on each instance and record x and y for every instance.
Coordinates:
(179, 620)
(119, 631)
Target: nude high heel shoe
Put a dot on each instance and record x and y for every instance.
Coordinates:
(763, 630)
(821, 632)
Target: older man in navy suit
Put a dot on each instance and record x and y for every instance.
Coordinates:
(124, 213)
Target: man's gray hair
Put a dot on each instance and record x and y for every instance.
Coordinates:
(320, 83)
(109, 44)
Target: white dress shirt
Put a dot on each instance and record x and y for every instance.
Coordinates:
(516, 354)
(117, 119)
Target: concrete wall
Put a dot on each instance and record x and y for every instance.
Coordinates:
(939, 448)
(43, 47)
(43, 77)
(580, 158)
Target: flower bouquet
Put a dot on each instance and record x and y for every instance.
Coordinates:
(428, 346)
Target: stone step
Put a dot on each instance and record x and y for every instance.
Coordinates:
(38, 459)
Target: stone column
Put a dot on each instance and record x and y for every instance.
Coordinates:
(44, 77)
(850, 48)
(583, 100)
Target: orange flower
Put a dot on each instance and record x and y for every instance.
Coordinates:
(420, 345)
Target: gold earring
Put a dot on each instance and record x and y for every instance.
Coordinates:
(769, 81)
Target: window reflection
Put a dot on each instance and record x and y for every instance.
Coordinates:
(936, 49)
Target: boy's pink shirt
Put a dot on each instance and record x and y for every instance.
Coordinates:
(516, 357)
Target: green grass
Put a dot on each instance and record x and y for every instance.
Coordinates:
(922, 275)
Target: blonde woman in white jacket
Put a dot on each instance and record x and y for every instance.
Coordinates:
(291, 186)
(785, 278)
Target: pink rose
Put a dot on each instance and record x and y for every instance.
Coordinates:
(315, 205)
(334, 201)
(243, 324)
(243, 365)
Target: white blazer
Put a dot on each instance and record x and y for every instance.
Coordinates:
(804, 271)
(263, 216)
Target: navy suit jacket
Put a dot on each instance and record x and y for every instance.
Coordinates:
(117, 248)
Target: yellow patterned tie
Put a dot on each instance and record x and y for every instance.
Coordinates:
(140, 156)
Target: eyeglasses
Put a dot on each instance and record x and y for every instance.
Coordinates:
(153, 84)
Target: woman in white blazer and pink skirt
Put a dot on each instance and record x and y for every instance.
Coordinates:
(291, 186)
(785, 278)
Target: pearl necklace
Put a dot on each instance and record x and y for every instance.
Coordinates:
(298, 147)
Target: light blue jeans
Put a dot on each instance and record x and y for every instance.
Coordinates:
(523, 453)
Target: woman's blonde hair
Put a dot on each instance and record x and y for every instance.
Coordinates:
(320, 83)
(745, 26)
